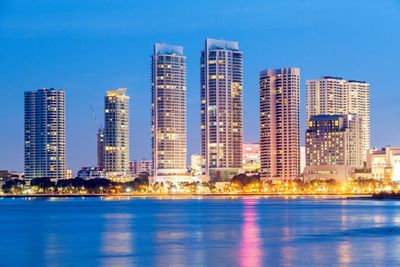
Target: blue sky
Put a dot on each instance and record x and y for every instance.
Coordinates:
(88, 46)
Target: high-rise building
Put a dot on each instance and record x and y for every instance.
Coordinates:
(45, 134)
(251, 157)
(279, 123)
(100, 148)
(169, 113)
(333, 146)
(332, 95)
(116, 134)
(221, 108)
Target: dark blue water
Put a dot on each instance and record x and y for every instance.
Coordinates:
(199, 232)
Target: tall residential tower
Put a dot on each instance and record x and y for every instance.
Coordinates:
(221, 108)
(116, 134)
(279, 123)
(331, 95)
(169, 113)
(45, 134)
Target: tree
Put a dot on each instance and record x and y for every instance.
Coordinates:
(43, 183)
(14, 186)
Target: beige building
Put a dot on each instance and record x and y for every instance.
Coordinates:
(279, 123)
(221, 109)
(331, 95)
(138, 167)
(196, 164)
(116, 134)
(251, 157)
(384, 163)
(169, 113)
(333, 146)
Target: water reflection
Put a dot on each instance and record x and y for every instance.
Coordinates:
(117, 240)
(344, 253)
(250, 253)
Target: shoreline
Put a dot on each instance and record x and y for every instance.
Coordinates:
(189, 196)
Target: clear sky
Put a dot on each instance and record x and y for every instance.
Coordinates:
(88, 46)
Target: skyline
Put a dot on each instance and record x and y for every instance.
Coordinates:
(86, 76)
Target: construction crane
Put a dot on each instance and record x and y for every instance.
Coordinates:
(99, 126)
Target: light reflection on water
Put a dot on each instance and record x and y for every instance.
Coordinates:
(117, 240)
(250, 253)
(199, 232)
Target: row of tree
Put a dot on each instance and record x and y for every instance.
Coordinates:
(239, 183)
(72, 186)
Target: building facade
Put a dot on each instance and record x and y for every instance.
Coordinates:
(221, 109)
(251, 157)
(116, 134)
(332, 95)
(169, 112)
(89, 173)
(333, 146)
(100, 148)
(384, 164)
(280, 123)
(45, 134)
(137, 167)
(196, 165)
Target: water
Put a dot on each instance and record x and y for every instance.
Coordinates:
(199, 232)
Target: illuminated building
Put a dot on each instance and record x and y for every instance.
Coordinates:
(88, 173)
(331, 95)
(280, 123)
(137, 167)
(384, 163)
(45, 134)
(333, 146)
(302, 158)
(251, 157)
(196, 163)
(169, 113)
(116, 134)
(221, 109)
(68, 174)
(100, 148)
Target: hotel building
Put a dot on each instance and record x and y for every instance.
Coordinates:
(116, 134)
(279, 123)
(333, 146)
(332, 95)
(45, 134)
(169, 113)
(221, 109)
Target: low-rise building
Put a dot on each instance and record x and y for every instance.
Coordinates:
(88, 173)
(137, 167)
(384, 164)
(196, 163)
(251, 158)
(6, 175)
